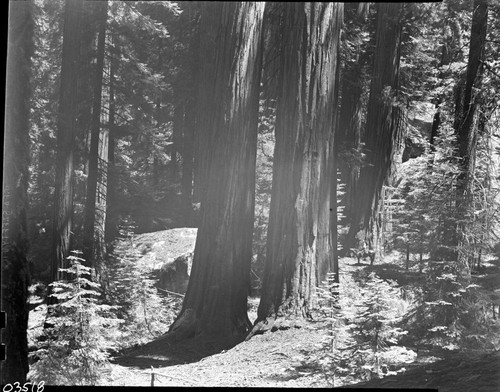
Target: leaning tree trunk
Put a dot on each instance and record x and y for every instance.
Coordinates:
(216, 298)
(304, 119)
(383, 132)
(15, 271)
(466, 126)
(93, 244)
(66, 132)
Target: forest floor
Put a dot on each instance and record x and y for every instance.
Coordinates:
(294, 357)
(299, 356)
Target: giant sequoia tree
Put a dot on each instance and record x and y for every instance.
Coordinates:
(66, 133)
(216, 299)
(304, 120)
(15, 272)
(382, 130)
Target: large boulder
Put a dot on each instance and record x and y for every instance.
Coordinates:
(168, 254)
(174, 276)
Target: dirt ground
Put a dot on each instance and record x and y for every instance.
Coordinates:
(270, 360)
(289, 358)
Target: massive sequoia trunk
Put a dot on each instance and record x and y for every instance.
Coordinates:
(304, 120)
(66, 132)
(383, 132)
(216, 299)
(15, 272)
(466, 125)
(96, 181)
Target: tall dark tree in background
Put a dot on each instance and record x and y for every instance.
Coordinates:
(304, 120)
(15, 271)
(206, 69)
(383, 132)
(450, 52)
(66, 133)
(93, 232)
(188, 64)
(466, 125)
(111, 223)
(216, 299)
(357, 55)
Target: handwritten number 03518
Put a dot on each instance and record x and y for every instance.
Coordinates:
(27, 387)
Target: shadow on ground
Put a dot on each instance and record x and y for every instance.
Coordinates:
(306, 368)
(463, 373)
(169, 351)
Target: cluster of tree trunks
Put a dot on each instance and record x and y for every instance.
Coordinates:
(216, 136)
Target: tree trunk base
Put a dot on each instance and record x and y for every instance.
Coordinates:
(185, 343)
(189, 325)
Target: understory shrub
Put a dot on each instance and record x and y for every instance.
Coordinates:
(147, 312)
(79, 331)
(454, 312)
(365, 334)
